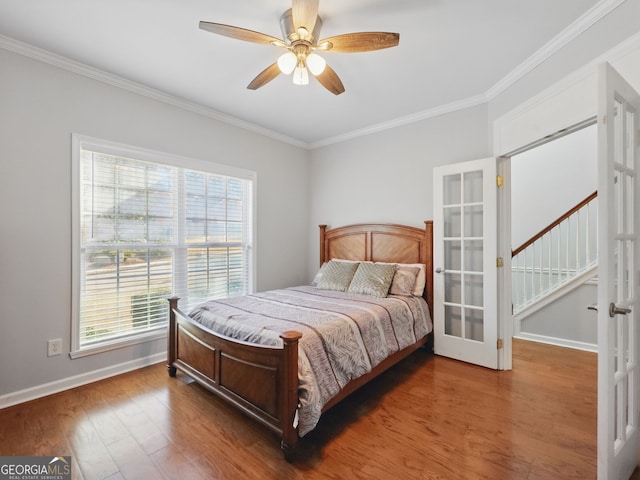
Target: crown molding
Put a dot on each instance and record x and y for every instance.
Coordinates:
(406, 120)
(618, 52)
(583, 23)
(579, 26)
(73, 66)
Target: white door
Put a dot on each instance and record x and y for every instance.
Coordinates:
(465, 246)
(618, 265)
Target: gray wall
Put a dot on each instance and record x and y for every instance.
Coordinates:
(40, 107)
(387, 177)
(566, 319)
(550, 179)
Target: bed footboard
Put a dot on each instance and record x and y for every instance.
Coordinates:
(259, 380)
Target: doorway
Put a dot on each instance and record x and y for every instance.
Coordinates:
(554, 238)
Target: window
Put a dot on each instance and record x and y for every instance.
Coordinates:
(147, 226)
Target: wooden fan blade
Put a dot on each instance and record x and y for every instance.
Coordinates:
(330, 80)
(264, 77)
(362, 42)
(304, 13)
(239, 33)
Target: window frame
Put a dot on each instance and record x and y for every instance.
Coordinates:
(82, 142)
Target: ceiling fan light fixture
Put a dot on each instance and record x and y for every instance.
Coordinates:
(301, 26)
(316, 63)
(303, 33)
(300, 76)
(287, 62)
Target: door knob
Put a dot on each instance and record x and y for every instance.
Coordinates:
(615, 310)
(440, 270)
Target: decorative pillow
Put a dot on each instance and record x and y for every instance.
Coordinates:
(318, 276)
(421, 279)
(404, 281)
(373, 279)
(316, 279)
(337, 275)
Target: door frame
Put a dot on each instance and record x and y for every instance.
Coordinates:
(505, 314)
(505, 305)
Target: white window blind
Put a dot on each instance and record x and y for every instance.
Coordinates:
(148, 230)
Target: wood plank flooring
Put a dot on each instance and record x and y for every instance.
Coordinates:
(426, 418)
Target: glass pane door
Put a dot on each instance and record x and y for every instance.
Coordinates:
(618, 262)
(465, 240)
(463, 247)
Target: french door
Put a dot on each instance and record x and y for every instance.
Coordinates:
(465, 246)
(618, 272)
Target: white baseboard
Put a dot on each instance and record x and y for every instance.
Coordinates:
(50, 388)
(560, 342)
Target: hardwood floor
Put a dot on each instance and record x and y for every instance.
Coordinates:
(426, 418)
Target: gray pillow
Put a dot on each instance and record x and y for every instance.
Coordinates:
(336, 275)
(373, 279)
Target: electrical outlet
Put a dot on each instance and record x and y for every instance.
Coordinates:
(54, 347)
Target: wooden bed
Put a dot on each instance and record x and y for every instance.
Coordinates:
(262, 381)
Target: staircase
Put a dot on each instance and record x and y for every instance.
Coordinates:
(556, 260)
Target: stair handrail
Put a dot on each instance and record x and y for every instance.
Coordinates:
(553, 224)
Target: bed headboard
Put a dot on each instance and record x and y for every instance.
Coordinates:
(381, 243)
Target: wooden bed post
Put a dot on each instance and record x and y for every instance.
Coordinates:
(429, 263)
(171, 337)
(323, 232)
(289, 431)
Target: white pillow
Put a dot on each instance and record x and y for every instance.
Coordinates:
(318, 276)
(421, 279)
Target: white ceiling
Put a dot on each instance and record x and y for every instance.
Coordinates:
(450, 52)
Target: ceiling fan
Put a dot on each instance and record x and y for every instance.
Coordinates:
(301, 29)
